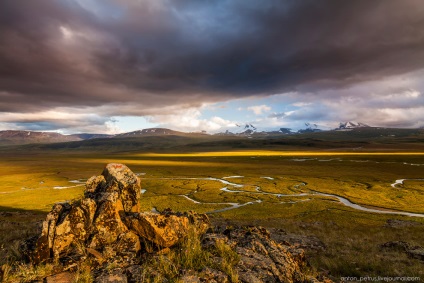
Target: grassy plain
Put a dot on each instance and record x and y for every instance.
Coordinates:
(185, 181)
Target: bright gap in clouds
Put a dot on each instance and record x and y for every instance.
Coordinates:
(124, 124)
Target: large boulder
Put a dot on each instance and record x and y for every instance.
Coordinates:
(94, 221)
(120, 178)
(128, 244)
(75, 226)
(42, 249)
(163, 230)
(94, 186)
(167, 228)
(107, 225)
(107, 222)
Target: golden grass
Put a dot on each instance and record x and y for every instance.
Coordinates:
(148, 162)
(277, 153)
(27, 273)
(176, 203)
(190, 256)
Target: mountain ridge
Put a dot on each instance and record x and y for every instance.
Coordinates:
(11, 137)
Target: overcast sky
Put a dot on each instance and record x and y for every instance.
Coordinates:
(111, 66)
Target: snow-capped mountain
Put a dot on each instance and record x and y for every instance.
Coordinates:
(310, 128)
(285, 131)
(241, 130)
(249, 129)
(351, 125)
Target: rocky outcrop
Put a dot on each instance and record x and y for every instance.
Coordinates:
(163, 230)
(106, 233)
(397, 223)
(42, 249)
(310, 243)
(411, 250)
(75, 226)
(116, 178)
(108, 222)
(167, 228)
(108, 225)
(121, 180)
(261, 258)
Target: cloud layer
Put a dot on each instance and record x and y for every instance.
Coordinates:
(124, 57)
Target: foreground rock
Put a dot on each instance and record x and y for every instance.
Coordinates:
(108, 222)
(106, 235)
(310, 243)
(261, 258)
(166, 229)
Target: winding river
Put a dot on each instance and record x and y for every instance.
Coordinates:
(258, 191)
(237, 188)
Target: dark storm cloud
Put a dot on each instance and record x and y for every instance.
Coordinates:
(158, 53)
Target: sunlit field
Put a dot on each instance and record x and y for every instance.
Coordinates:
(37, 181)
(282, 190)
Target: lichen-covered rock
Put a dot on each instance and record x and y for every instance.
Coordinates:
(168, 228)
(190, 279)
(43, 246)
(200, 221)
(94, 221)
(135, 273)
(120, 178)
(107, 225)
(128, 243)
(261, 258)
(309, 243)
(64, 277)
(212, 275)
(94, 185)
(114, 276)
(76, 226)
(163, 230)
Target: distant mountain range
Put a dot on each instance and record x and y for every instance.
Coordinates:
(11, 137)
(27, 137)
(249, 129)
(149, 132)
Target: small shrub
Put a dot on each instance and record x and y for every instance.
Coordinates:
(229, 259)
(28, 272)
(191, 254)
(83, 275)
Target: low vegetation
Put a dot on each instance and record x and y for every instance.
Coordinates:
(190, 255)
